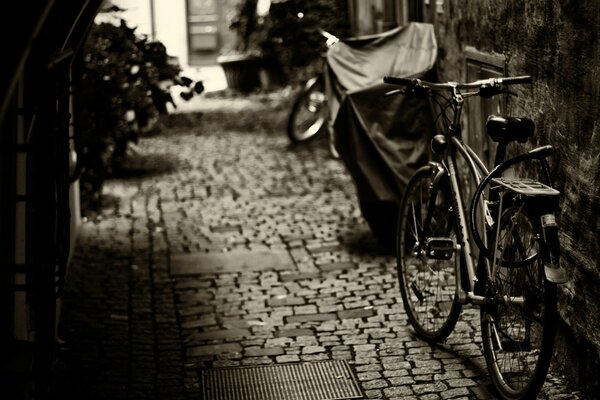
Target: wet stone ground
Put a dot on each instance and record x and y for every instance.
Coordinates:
(222, 246)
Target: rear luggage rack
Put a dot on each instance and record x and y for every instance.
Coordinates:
(525, 186)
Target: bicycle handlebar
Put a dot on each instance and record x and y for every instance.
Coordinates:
(508, 80)
(331, 39)
(398, 81)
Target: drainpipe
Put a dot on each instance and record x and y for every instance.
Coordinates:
(152, 21)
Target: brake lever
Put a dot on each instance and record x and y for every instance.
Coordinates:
(394, 92)
(417, 91)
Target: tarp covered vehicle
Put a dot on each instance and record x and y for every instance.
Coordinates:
(381, 139)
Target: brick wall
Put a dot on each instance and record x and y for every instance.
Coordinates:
(558, 44)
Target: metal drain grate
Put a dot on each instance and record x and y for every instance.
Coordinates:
(322, 380)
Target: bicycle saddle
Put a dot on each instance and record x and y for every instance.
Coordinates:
(510, 129)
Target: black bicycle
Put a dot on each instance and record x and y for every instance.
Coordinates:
(502, 255)
(309, 112)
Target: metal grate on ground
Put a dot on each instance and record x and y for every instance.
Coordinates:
(322, 380)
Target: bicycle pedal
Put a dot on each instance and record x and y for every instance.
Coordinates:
(440, 248)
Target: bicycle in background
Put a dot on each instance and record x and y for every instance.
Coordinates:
(502, 255)
(310, 111)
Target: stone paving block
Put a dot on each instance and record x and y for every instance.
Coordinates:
(287, 359)
(423, 377)
(436, 387)
(401, 380)
(368, 376)
(314, 357)
(323, 247)
(313, 349)
(336, 266)
(298, 276)
(456, 392)
(295, 332)
(285, 300)
(356, 313)
(305, 309)
(259, 352)
(375, 384)
(461, 382)
(234, 261)
(310, 318)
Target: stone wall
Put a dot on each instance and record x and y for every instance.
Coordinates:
(558, 44)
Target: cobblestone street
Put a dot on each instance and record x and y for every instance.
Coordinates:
(225, 247)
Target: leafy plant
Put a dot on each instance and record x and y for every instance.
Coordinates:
(246, 25)
(290, 32)
(287, 38)
(121, 91)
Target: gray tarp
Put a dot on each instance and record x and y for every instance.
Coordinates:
(405, 51)
(381, 140)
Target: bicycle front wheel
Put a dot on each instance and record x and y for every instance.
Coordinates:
(309, 112)
(427, 283)
(519, 324)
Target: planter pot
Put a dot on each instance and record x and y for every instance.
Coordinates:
(242, 71)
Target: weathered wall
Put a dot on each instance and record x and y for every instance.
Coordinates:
(558, 43)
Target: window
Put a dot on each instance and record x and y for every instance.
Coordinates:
(202, 28)
(372, 16)
(481, 66)
(439, 5)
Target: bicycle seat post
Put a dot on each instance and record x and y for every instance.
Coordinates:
(500, 152)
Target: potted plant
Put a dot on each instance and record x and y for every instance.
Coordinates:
(242, 64)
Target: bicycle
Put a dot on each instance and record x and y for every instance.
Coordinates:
(504, 260)
(309, 112)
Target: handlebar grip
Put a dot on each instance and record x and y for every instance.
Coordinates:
(515, 80)
(397, 81)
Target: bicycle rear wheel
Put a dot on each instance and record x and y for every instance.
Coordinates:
(309, 112)
(427, 284)
(519, 325)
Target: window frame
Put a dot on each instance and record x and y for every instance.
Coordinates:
(482, 65)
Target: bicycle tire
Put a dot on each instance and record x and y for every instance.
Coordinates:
(309, 111)
(518, 326)
(432, 313)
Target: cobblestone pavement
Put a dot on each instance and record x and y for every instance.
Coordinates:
(238, 251)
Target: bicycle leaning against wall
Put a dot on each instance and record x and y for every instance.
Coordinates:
(503, 255)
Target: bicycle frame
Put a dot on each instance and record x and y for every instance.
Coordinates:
(450, 168)
(479, 172)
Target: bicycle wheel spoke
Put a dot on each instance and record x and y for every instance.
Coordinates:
(427, 284)
(415, 227)
(518, 328)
